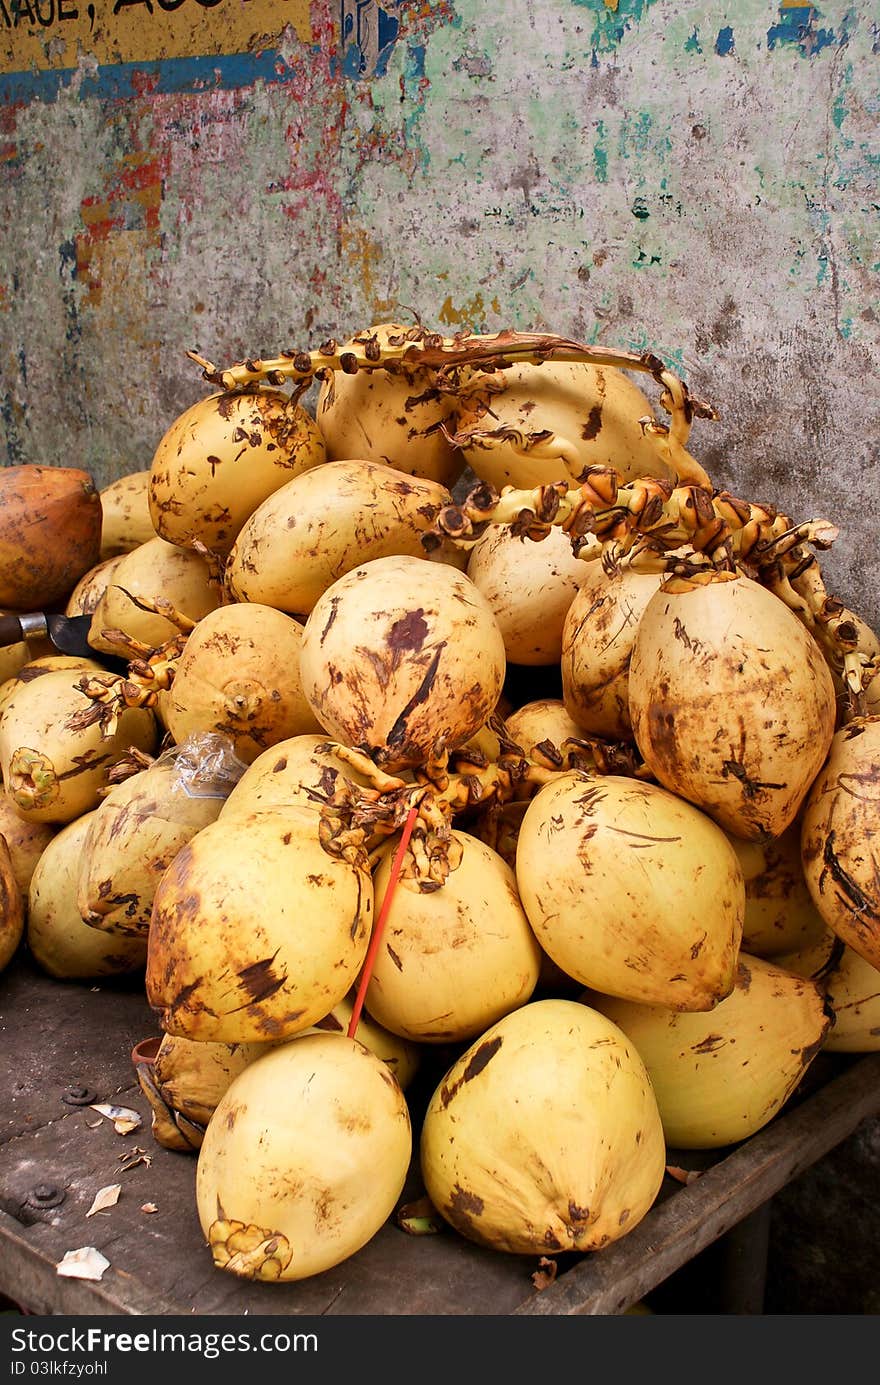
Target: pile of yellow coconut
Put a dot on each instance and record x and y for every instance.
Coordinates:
(455, 712)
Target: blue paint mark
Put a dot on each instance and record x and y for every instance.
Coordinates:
(67, 257)
(368, 35)
(415, 62)
(15, 453)
(797, 28)
(724, 42)
(122, 81)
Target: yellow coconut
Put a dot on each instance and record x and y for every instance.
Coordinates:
(327, 521)
(852, 990)
(91, 587)
(58, 940)
(55, 757)
(544, 1135)
(453, 960)
(838, 834)
(530, 425)
(26, 841)
(597, 642)
(141, 824)
(239, 676)
(127, 521)
(401, 1056)
(256, 932)
(395, 416)
(12, 907)
(303, 1160)
(401, 656)
(154, 571)
(543, 726)
(221, 458)
(721, 1077)
(780, 914)
(731, 701)
(302, 769)
(631, 890)
(530, 587)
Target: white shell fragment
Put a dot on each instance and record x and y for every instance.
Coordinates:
(124, 1119)
(104, 1198)
(85, 1263)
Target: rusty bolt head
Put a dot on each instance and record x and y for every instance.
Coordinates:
(45, 1195)
(79, 1096)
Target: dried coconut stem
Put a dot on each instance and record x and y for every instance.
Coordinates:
(651, 519)
(416, 349)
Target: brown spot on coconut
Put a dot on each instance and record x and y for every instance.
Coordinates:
(400, 711)
(742, 639)
(563, 1146)
(221, 458)
(206, 937)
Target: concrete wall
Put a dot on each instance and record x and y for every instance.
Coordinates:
(699, 179)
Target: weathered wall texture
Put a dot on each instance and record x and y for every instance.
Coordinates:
(700, 179)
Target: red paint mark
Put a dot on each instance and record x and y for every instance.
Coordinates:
(131, 202)
(145, 82)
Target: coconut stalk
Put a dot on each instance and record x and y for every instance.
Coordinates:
(465, 354)
(648, 519)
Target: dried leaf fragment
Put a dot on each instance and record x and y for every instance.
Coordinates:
(149, 1207)
(84, 1263)
(682, 1175)
(130, 1158)
(105, 1197)
(545, 1273)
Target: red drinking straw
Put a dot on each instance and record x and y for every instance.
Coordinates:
(380, 921)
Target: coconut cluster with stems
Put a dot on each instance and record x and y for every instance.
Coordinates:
(564, 781)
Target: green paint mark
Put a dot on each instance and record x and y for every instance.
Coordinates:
(635, 135)
(839, 106)
(673, 359)
(692, 42)
(600, 155)
(612, 21)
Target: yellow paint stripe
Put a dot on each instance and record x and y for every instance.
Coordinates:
(46, 35)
